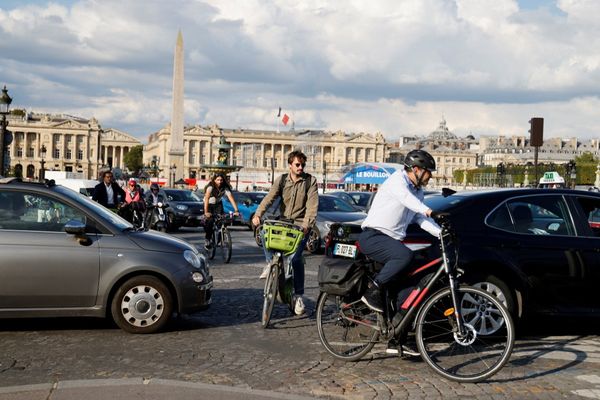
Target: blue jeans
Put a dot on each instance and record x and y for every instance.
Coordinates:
(297, 262)
(391, 252)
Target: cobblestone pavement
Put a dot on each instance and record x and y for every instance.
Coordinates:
(226, 346)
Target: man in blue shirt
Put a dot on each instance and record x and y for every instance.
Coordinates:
(398, 203)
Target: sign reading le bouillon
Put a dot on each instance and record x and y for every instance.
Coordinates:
(372, 174)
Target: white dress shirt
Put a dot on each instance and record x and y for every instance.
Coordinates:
(397, 204)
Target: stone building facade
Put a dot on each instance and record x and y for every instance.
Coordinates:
(517, 150)
(263, 153)
(450, 152)
(71, 144)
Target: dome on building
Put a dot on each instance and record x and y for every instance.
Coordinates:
(442, 132)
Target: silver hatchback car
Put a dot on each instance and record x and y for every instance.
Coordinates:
(62, 255)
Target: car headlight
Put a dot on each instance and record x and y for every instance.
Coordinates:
(198, 277)
(181, 207)
(195, 259)
(327, 225)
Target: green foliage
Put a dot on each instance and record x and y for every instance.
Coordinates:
(133, 159)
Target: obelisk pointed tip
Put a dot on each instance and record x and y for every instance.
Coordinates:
(179, 38)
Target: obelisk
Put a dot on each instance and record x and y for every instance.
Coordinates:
(176, 151)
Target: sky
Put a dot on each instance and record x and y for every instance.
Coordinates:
(391, 66)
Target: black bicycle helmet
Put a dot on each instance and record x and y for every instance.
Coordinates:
(420, 158)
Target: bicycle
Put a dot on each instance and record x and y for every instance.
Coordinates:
(221, 237)
(464, 333)
(283, 238)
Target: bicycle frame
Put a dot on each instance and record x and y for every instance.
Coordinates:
(417, 297)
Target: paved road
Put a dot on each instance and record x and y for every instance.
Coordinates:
(226, 346)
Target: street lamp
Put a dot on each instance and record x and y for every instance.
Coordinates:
(173, 170)
(5, 135)
(43, 162)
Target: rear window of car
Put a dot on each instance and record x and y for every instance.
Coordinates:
(533, 215)
(441, 203)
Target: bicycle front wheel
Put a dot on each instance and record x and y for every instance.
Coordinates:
(270, 294)
(226, 245)
(475, 354)
(213, 248)
(347, 330)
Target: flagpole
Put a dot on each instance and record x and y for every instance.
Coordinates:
(278, 116)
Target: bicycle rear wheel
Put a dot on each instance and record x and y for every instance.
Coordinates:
(474, 355)
(270, 294)
(226, 245)
(347, 330)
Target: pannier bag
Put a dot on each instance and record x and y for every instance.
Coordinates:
(339, 276)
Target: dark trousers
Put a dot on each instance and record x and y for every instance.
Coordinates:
(391, 252)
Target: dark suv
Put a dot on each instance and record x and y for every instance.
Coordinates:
(65, 255)
(185, 208)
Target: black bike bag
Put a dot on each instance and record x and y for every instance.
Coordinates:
(339, 276)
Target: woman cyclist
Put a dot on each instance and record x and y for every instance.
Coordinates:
(213, 204)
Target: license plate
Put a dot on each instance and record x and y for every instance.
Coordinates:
(344, 250)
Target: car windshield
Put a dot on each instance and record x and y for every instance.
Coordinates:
(108, 215)
(256, 197)
(181, 195)
(361, 198)
(329, 203)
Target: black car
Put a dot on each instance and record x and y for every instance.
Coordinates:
(185, 208)
(538, 250)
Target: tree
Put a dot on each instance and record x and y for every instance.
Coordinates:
(133, 159)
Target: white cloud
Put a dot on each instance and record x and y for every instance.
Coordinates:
(387, 66)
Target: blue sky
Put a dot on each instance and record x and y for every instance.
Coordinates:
(395, 67)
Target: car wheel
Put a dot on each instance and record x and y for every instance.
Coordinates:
(257, 237)
(313, 245)
(143, 304)
(250, 225)
(497, 287)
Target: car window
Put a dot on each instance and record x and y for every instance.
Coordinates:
(37, 212)
(534, 215)
(591, 208)
(334, 204)
(361, 198)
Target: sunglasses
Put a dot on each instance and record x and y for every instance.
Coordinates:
(300, 165)
(132, 185)
(154, 190)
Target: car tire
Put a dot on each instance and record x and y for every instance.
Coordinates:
(257, 237)
(492, 284)
(313, 245)
(143, 304)
(250, 224)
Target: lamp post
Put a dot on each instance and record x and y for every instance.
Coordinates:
(324, 175)
(43, 162)
(173, 171)
(5, 136)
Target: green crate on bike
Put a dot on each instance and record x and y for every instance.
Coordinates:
(282, 238)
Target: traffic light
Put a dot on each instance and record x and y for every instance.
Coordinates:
(536, 137)
(500, 169)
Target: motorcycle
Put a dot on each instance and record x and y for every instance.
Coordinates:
(158, 219)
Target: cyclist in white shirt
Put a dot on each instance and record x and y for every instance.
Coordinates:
(398, 203)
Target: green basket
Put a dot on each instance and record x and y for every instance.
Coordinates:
(283, 238)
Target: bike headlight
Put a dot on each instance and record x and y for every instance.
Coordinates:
(181, 207)
(193, 258)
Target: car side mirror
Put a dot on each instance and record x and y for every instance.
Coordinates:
(77, 228)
